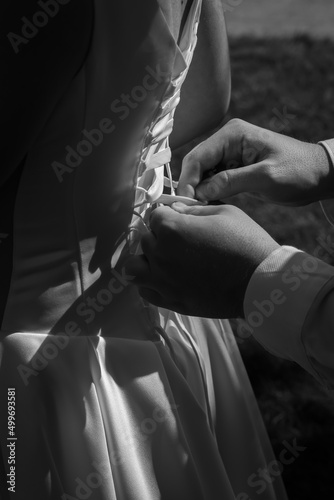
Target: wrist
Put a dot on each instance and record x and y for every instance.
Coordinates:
(261, 256)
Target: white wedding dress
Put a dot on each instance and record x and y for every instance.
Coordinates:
(116, 399)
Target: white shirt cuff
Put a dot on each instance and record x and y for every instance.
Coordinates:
(278, 299)
(328, 204)
(330, 144)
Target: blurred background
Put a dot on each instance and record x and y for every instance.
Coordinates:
(280, 18)
(282, 58)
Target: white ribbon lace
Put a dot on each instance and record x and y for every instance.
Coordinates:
(156, 154)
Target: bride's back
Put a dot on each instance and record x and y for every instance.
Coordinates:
(80, 148)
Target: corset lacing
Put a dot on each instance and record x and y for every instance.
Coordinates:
(156, 153)
(151, 180)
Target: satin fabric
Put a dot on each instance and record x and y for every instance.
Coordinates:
(114, 398)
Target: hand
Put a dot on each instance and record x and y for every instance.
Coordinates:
(251, 159)
(198, 260)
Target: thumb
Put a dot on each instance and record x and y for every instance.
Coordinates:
(230, 182)
(197, 209)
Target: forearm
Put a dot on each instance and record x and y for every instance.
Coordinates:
(289, 307)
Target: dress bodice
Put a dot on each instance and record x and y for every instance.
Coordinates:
(93, 172)
(115, 399)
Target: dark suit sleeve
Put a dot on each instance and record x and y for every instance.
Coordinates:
(43, 44)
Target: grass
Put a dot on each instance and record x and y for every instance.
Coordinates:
(268, 76)
(283, 18)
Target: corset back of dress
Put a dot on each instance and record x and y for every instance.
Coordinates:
(101, 148)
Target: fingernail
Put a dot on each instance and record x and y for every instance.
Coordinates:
(188, 191)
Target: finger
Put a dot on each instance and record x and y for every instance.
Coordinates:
(161, 217)
(138, 267)
(198, 210)
(227, 183)
(225, 145)
(148, 244)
